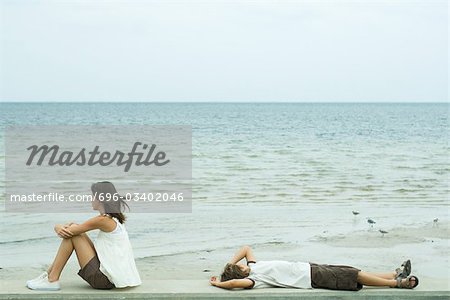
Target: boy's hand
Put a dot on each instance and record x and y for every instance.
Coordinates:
(213, 280)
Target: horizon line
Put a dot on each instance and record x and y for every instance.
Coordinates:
(237, 102)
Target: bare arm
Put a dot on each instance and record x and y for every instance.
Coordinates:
(245, 252)
(232, 284)
(71, 229)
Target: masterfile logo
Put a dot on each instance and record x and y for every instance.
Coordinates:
(56, 157)
(150, 166)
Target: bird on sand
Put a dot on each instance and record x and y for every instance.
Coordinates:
(355, 212)
(371, 222)
(383, 232)
(435, 221)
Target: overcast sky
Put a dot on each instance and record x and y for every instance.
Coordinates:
(210, 50)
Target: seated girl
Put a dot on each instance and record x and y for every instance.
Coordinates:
(106, 263)
(277, 273)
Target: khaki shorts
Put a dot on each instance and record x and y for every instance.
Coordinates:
(91, 274)
(335, 277)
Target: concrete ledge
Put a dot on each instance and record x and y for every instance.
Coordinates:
(199, 289)
(379, 295)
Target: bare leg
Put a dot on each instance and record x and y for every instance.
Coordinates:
(390, 275)
(370, 280)
(62, 256)
(82, 246)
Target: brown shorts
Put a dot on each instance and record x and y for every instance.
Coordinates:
(91, 274)
(335, 277)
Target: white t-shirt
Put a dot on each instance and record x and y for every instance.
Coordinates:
(278, 273)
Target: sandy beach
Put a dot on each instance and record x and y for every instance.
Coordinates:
(426, 246)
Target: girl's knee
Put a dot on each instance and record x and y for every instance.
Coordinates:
(82, 236)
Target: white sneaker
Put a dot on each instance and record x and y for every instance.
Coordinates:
(43, 275)
(44, 285)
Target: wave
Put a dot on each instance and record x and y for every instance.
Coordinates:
(27, 240)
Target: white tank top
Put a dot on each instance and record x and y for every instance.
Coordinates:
(116, 257)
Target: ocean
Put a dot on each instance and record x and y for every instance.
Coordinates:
(262, 173)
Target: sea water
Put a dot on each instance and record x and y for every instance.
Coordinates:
(262, 172)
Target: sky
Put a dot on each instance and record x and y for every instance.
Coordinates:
(220, 51)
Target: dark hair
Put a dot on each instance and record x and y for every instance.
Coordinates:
(232, 271)
(113, 203)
